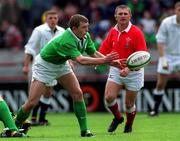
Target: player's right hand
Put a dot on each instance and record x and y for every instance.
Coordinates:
(25, 70)
(124, 72)
(164, 62)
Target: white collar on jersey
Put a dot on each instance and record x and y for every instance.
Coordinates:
(126, 30)
(48, 28)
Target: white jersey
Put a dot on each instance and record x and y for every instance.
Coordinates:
(169, 34)
(40, 36)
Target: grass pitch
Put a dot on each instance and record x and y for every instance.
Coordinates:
(64, 127)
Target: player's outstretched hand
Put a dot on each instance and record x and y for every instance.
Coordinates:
(124, 72)
(120, 63)
(112, 56)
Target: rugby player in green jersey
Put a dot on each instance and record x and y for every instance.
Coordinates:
(51, 67)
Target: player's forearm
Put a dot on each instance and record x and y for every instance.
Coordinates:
(161, 51)
(97, 55)
(27, 59)
(91, 61)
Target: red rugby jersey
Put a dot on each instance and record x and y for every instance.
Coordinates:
(125, 43)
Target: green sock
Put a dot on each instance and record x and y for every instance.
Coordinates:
(6, 117)
(21, 117)
(80, 112)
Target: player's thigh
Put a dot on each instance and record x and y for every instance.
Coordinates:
(70, 83)
(111, 90)
(130, 98)
(161, 81)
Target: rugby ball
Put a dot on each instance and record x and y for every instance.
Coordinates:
(138, 60)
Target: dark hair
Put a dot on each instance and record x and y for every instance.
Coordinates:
(76, 19)
(122, 7)
(177, 4)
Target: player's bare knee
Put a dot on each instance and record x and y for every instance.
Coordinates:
(47, 94)
(129, 105)
(109, 98)
(131, 108)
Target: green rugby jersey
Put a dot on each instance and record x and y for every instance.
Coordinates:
(67, 46)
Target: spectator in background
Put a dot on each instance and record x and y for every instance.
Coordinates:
(137, 8)
(40, 36)
(168, 43)
(69, 10)
(149, 28)
(10, 11)
(12, 37)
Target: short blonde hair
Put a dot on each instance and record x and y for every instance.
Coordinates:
(123, 7)
(46, 13)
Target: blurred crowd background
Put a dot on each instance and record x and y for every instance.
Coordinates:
(19, 17)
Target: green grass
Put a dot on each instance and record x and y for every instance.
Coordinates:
(64, 127)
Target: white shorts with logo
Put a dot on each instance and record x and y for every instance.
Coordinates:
(47, 73)
(134, 81)
(173, 62)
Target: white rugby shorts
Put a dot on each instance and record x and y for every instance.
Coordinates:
(134, 81)
(173, 62)
(47, 73)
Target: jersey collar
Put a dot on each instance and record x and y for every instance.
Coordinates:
(48, 28)
(127, 29)
(69, 29)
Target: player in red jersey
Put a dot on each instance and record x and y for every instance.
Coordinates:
(124, 38)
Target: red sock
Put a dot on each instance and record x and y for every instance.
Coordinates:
(115, 111)
(130, 118)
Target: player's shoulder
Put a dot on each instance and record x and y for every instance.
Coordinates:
(41, 26)
(135, 29)
(169, 20)
(113, 31)
(59, 28)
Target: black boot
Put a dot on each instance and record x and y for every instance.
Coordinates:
(157, 101)
(43, 111)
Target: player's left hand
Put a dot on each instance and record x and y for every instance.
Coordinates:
(109, 58)
(124, 72)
